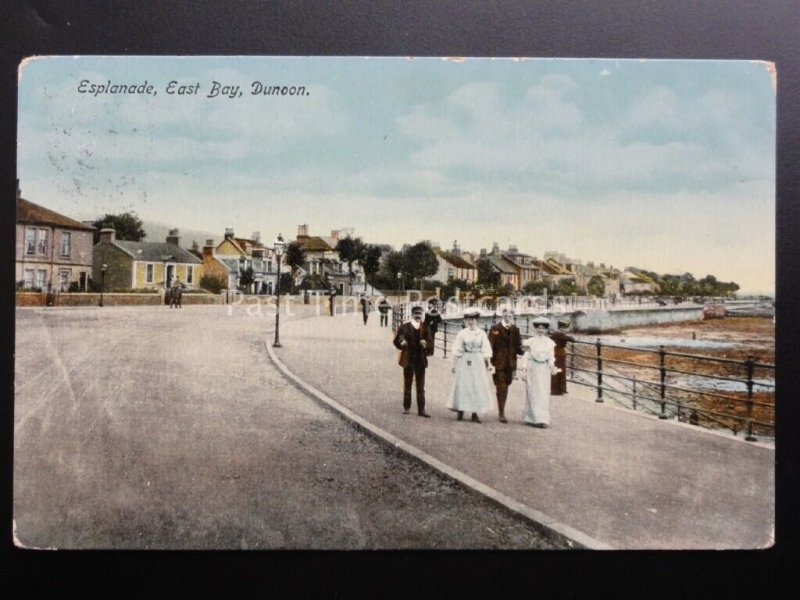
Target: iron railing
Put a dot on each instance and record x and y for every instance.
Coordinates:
(671, 385)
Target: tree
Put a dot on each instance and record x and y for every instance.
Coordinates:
(420, 262)
(596, 286)
(534, 288)
(565, 287)
(371, 263)
(247, 278)
(449, 288)
(286, 283)
(128, 226)
(212, 284)
(487, 275)
(391, 265)
(295, 257)
(350, 250)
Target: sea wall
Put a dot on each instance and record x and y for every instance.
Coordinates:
(607, 320)
(598, 321)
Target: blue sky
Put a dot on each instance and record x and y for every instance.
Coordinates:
(666, 165)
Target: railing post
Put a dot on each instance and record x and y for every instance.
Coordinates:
(634, 393)
(749, 363)
(663, 372)
(599, 372)
(572, 361)
(444, 335)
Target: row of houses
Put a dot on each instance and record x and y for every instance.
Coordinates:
(518, 269)
(55, 252)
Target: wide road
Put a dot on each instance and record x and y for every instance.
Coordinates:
(148, 427)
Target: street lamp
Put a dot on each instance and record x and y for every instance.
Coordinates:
(103, 268)
(278, 245)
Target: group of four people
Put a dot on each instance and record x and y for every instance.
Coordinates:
(474, 354)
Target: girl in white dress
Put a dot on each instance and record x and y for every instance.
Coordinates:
(540, 365)
(471, 353)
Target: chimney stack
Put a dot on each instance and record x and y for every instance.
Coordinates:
(108, 234)
(302, 231)
(229, 232)
(257, 237)
(174, 237)
(335, 234)
(208, 249)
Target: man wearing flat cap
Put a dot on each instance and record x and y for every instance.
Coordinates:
(414, 339)
(558, 383)
(506, 343)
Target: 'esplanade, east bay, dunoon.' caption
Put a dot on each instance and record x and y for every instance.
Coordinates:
(212, 89)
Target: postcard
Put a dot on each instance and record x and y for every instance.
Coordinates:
(394, 303)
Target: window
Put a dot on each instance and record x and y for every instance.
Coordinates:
(30, 243)
(66, 275)
(65, 243)
(450, 273)
(189, 274)
(43, 241)
(148, 273)
(41, 278)
(29, 273)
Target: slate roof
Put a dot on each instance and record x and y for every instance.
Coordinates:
(29, 212)
(153, 251)
(317, 243)
(454, 260)
(500, 264)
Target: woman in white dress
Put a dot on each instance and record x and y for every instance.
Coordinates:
(540, 365)
(471, 353)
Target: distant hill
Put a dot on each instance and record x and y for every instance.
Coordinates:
(157, 232)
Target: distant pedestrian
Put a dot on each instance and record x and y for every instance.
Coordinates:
(383, 309)
(366, 305)
(432, 320)
(540, 366)
(332, 299)
(413, 340)
(558, 383)
(175, 294)
(471, 353)
(506, 342)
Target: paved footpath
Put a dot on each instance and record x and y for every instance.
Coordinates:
(617, 478)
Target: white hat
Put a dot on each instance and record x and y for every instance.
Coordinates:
(472, 313)
(541, 321)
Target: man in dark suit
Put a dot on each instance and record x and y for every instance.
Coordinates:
(506, 343)
(413, 339)
(558, 382)
(432, 320)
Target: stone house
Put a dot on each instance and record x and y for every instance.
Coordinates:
(144, 265)
(526, 266)
(53, 252)
(322, 262)
(233, 256)
(452, 266)
(507, 270)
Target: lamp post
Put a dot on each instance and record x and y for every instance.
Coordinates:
(278, 245)
(399, 275)
(103, 268)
